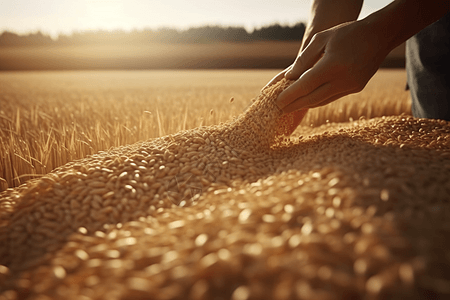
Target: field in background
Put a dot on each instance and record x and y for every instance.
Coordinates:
(50, 118)
(259, 55)
(151, 56)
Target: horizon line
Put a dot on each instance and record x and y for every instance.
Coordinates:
(177, 28)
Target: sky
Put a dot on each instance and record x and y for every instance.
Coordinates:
(54, 17)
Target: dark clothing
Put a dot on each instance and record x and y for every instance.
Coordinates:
(428, 70)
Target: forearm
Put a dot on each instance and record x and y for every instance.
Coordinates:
(345, 54)
(401, 19)
(329, 13)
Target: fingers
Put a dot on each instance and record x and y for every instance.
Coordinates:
(317, 96)
(295, 106)
(310, 78)
(277, 78)
(314, 87)
(331, 99)
(297, 117)
(307, 58)
(306, 84)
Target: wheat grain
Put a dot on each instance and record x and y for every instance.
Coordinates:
(349, 211)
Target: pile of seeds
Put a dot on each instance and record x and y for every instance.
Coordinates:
(235, 211)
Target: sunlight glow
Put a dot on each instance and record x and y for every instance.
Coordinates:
(104, 14)
(66, 16)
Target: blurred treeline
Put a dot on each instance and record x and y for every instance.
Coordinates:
(205, 34)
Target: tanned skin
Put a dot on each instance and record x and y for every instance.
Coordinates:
(339, 54)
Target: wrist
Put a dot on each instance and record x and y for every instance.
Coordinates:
(326, 14)
(380, 25)
(401, 19)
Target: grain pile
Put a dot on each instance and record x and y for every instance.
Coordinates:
(358, 210)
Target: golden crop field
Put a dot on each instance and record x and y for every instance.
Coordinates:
(175, 185)
(151, 56)
(51, 118)
(251, 55)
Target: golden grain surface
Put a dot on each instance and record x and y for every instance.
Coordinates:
(50, 118)
(354, 210)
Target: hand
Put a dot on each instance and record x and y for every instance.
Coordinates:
(288, 122)
(337, 62)
(277, 77)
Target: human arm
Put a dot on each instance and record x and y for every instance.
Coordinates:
(341, 60)
(323, 15)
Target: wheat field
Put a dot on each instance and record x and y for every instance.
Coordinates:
(181, 185)
(50, 118)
